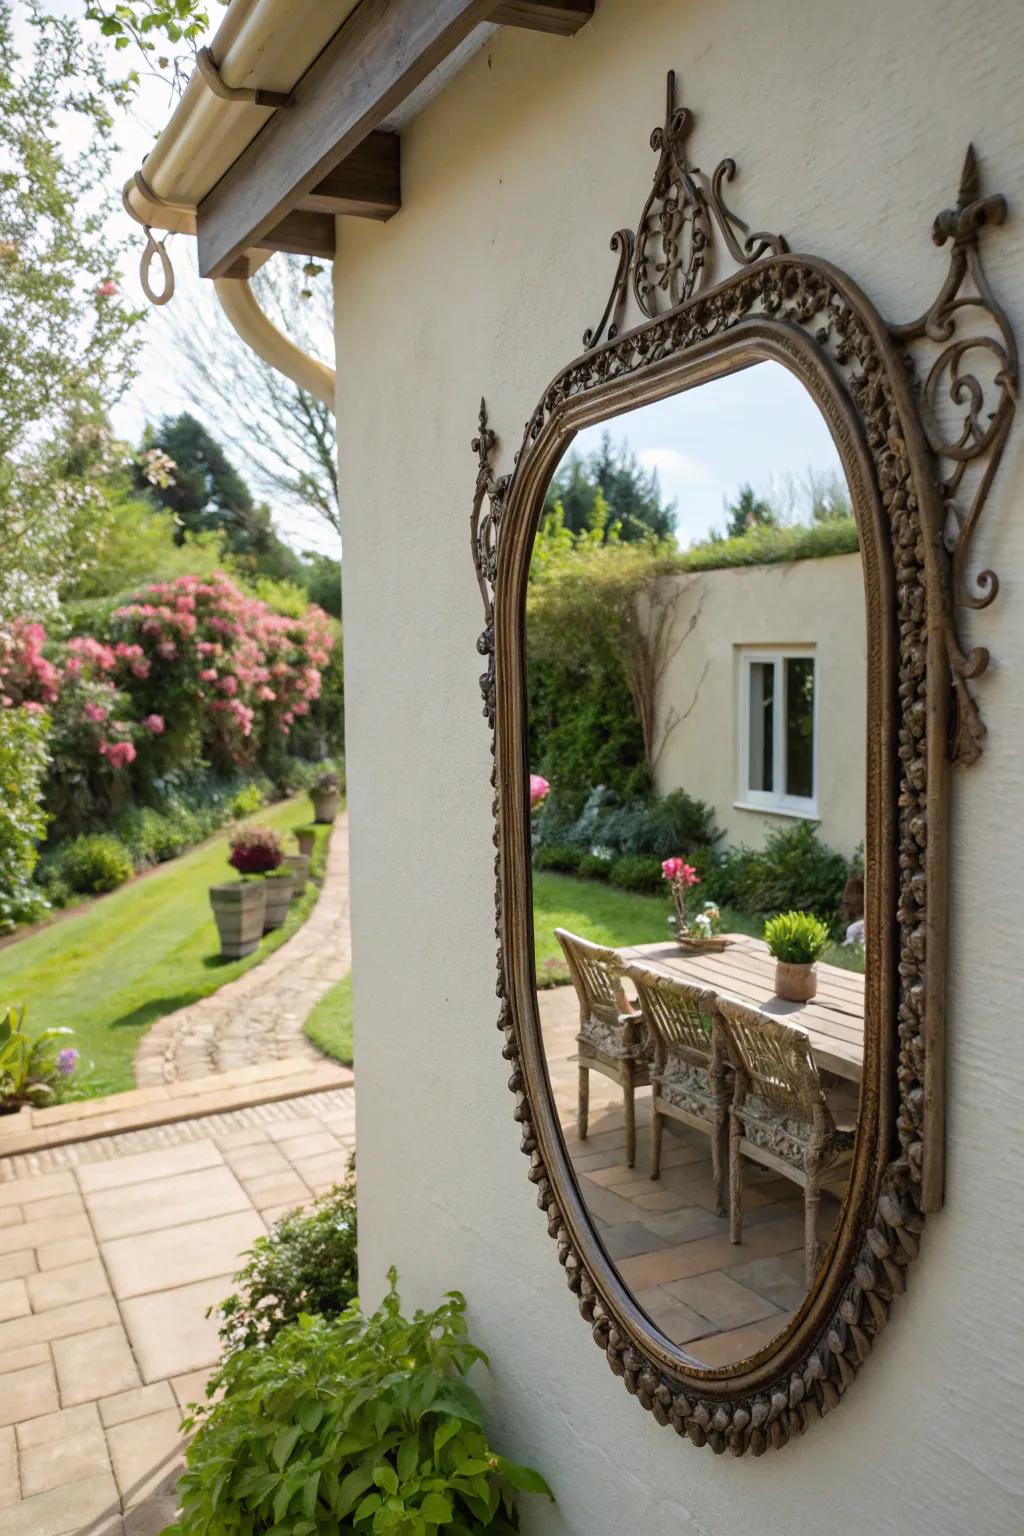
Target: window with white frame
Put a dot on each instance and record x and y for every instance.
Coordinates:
(778, 731)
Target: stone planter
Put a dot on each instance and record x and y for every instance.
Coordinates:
(796, 983)
(298, 863)
(278, 889)
(239, 909)
(305, 837)
(326, 804)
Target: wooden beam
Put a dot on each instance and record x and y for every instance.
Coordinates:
(381, 54)
(564, 18)
(367, 183)
(302, 233)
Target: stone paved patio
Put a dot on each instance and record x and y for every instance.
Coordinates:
(260, 1016)
(107, 1267)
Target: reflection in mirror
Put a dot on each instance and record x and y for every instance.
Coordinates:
(697, 696)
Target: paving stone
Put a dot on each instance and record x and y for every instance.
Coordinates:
(170, 1332)
(186, 1157)
(137, 1403)
(10, 1215)
(272, 1191)
(101, 1357)
(13, 1299)
(676, 1321)
(191, 1388)
(56, 1205)
(166, 1202)
(75, 1282)
(58, 1323)
(722, 1300)
(26, 1394)
(28, 1354)
(257, 1162)
(56, 1463)
(245, 1136)
(41, 1187)
(62, 1511)
(61, 1255)
(146, 1453)
(10, 1487)
(313, 1145)
(320, 1171)
(56, 1426)
(37, 1234)
(174, 1256)
(152, 1516)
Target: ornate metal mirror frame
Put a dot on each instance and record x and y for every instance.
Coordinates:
(919, 451)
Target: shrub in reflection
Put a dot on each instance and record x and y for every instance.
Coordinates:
(794, 871)
(796, 938)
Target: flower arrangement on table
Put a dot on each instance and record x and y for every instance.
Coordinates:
(701, 930)
(255, 850)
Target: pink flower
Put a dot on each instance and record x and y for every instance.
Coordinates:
(94, 712)
(676, 871)
(208, 675)
(117, 753)
(31, 708)
(154, 724)
(228, 685)
(539, 788)
(107, 290)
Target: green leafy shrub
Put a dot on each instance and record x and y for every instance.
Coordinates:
(100, 862)
(663, 828)
(351, 1424)
(797, 938)
(306, 1264)
(561, 857)
(152, 838)
(24, 759)
(34, 1069)
(246, 802)
(592, 867)
(638, 872)
(794, 871)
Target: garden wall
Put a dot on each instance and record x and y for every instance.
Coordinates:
(849, 125)
(817, 604)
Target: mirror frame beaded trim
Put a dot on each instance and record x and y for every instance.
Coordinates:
(908, 477)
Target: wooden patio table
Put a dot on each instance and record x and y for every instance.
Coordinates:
(834, 1019)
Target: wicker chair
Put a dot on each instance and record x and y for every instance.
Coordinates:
(779, 1115)
(690, 1076)
(610, 1039)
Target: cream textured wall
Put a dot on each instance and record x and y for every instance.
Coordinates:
(813, 603)
(849, 124)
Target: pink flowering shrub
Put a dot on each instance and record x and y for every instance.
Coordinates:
(188, 670)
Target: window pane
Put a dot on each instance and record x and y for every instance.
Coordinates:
(800, 726)
(760, 774)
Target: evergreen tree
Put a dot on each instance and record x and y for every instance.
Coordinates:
(748, 511)
(631, 497)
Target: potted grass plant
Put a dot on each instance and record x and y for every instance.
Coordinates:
(796, 939)
(326, 797)
(306, 838)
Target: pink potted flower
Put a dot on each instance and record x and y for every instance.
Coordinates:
(699, 932)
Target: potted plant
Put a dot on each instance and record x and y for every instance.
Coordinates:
(697, 931)
(298, 864)
(796, 939)
(306, 838)
(326, 797)
(258, 851)
(240, 906)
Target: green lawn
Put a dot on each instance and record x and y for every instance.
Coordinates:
(117, 965)
(329, 1026)
(604, 915)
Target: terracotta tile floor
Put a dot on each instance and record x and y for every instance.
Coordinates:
(107, 1267)
(719, 1300)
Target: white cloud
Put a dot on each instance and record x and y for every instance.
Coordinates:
(675, 468)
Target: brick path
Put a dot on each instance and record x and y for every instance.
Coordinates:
(260, 1016)
(107, 1267)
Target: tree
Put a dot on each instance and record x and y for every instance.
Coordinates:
(631, 497)
(289, 435)
(66, 342)
(748, 511)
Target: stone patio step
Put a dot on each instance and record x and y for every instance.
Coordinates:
(34, 1130)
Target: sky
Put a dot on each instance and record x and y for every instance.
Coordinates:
(758, 426)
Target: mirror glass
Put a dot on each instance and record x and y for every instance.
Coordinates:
(697, 717)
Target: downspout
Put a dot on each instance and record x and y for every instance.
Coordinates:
(258, 331)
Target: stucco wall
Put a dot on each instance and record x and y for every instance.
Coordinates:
(848, 123)
(817, 604)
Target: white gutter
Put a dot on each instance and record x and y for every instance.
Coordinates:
(258, 332)
(259, 45)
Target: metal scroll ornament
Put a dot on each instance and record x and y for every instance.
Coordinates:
(967, 401)
(670, 255)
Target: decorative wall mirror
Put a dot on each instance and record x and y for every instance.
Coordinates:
(736, 1178)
